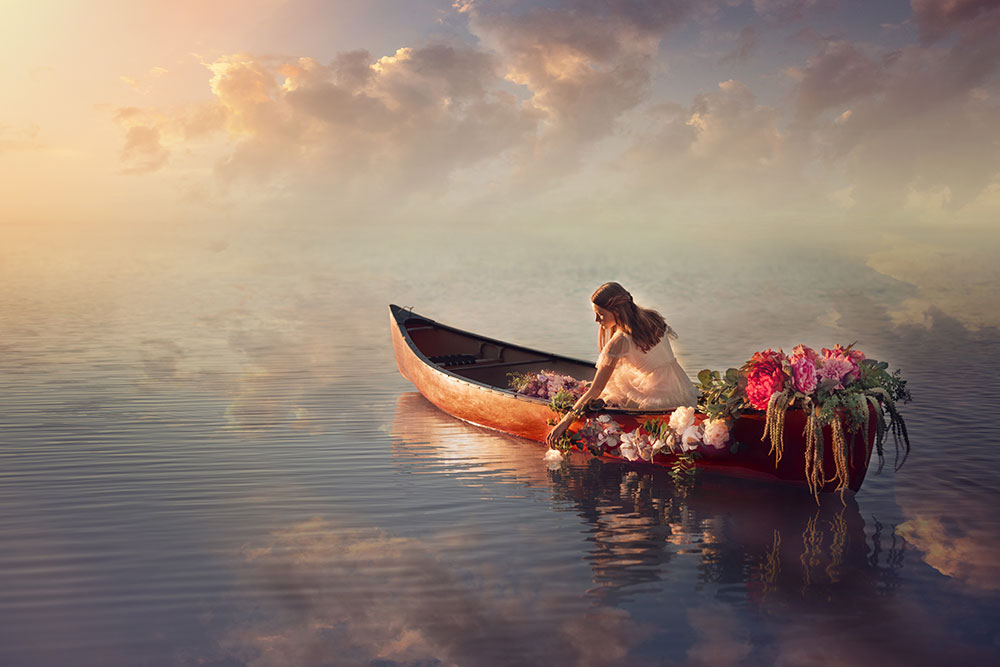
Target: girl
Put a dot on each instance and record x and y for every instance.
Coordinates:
(636, 368)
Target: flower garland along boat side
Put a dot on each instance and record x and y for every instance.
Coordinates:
(813, 417)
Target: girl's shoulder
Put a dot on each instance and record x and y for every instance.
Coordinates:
(618, 345)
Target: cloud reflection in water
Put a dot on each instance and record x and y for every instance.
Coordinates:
(354, 596)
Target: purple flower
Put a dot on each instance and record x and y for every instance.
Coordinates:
(835, 369)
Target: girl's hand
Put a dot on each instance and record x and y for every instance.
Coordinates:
(556, 433)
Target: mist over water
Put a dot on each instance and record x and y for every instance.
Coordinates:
(207, 456)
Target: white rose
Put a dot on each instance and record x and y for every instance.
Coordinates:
(716, 433)
(629, 450)
(691, 438)
(681, 419)
(553, 459)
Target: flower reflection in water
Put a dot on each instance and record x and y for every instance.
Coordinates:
(771, 541)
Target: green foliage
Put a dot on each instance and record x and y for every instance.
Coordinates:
(518, 381)
(565, 444)
(723, 396)
(562, 402)
(657, 428)
(876, 375)
(684, 467)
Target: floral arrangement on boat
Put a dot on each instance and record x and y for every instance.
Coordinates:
(561, 390)
(681, 435)
(839, 388)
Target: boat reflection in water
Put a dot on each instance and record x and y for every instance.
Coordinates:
(752, 541)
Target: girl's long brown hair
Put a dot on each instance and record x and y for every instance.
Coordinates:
(645, 326)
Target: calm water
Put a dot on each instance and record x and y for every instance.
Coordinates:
(208, 457)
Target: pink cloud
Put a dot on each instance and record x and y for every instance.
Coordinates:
(584, 64)
(835, 76)
(937, 18)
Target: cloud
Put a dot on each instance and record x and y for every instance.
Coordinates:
(547, 101)
(404, 122)
(21, 138)
(583, 64)
(723, 141)
(937, 18)
(143, 83)
(746, 44)
(835, 76)
(784, 10)
(959, 547)
(721, 638)
(151, 135)
(143, 151)
(338, 592)
(910, 121)
(956, 273)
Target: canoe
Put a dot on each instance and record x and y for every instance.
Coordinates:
(465, 375)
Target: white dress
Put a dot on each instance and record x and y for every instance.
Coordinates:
(650, 380)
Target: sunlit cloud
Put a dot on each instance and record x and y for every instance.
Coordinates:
(873, 130)
(404, 121)
(21, 138)
(143, 83)
(582, 64)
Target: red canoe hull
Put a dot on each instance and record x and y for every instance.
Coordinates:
(492, 406)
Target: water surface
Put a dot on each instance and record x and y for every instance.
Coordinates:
(207, 456)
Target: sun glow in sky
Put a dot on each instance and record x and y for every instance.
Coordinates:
(869, 126)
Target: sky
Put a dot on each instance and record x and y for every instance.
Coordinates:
(867, 126)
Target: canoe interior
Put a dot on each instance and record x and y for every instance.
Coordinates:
(484, 360)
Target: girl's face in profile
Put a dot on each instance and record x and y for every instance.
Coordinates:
(604, 317)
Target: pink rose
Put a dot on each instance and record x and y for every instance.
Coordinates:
(804, 375)
(764, 377)
(803, 352)
(837, 369)
(852, 357)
